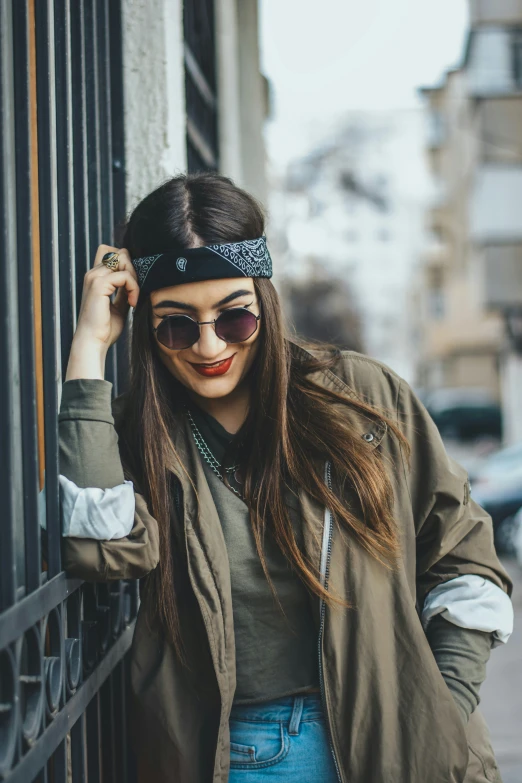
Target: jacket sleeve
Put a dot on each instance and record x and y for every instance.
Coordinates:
(454, 535)
(108, 530)
(461, 655)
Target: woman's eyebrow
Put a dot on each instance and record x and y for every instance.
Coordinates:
(186, 306)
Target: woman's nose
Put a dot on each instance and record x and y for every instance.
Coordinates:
(209, 345)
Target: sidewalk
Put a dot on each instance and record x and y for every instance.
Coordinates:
(501, 693)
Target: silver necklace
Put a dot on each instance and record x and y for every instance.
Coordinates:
(207, 454)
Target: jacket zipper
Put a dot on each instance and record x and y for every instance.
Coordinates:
(326, 550)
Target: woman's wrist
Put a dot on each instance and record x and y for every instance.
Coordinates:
(86, 360)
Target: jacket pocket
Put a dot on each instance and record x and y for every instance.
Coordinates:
(482, 767)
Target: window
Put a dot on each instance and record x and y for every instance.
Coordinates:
(436, 131)
(200, 85)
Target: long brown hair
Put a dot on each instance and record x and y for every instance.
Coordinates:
(293, 423)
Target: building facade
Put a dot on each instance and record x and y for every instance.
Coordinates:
(352, 211)
(471, 288)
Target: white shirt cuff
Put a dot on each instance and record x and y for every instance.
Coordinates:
(91, 512)
(471, 601)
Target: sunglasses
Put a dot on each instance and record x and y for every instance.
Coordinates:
(181, 331)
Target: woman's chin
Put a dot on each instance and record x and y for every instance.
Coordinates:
(211, 387)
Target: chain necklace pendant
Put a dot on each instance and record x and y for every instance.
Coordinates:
(209, 457)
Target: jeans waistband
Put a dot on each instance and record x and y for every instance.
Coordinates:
(288, 709)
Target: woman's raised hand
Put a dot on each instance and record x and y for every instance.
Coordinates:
(101, 321)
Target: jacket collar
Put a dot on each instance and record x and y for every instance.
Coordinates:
(368, 427)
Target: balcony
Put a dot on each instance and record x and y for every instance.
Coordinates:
(493, 62)
(495, 214)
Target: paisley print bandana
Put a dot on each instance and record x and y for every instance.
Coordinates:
(248, 258)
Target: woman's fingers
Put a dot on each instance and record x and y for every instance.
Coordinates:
(121, 281)
(124, 260)
(127, 292)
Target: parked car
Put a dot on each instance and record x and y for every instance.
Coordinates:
(464, 413)
(497, 487)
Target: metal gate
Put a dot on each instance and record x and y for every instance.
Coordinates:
(63, 670)
(63, 643)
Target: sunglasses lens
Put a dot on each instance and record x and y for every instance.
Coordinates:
(177, 332)
(236, 325)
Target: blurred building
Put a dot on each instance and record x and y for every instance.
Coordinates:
(471, 288)
(351, 210)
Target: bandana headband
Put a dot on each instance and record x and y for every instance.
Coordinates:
(249, 258)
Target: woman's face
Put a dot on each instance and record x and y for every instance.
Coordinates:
(204, 301)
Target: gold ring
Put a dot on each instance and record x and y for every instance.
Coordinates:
(111, 260)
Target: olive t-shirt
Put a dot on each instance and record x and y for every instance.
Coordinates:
(275, 656)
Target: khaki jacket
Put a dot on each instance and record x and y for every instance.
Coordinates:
(391, 717)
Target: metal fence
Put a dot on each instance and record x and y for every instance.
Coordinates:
(63, 643)
(63, 669)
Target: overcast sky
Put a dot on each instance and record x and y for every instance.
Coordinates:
(326, 57)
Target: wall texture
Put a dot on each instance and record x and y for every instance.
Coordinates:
(154, 94)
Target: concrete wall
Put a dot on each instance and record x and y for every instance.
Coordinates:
(253, 103)
(229, 98)
(154, 94)
(500, 121)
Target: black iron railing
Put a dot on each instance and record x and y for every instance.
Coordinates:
(63, 643)
(201, 85)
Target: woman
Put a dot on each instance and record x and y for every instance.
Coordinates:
(319, 591)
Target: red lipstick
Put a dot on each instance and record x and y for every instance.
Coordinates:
(217, 368)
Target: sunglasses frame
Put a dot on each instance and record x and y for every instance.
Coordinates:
(200, 323)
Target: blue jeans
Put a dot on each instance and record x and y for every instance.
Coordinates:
(284, 739)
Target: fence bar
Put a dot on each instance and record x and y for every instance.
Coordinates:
(79, 150)
(120, 724)
(103, 63)
(10, 422)
(117, 165)
(16, 620)
(78, 755)
(48, 187)
(64, 177)
(92, 121)
(81, 702)
(26, 157)
(94, 770)
(108, 728)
